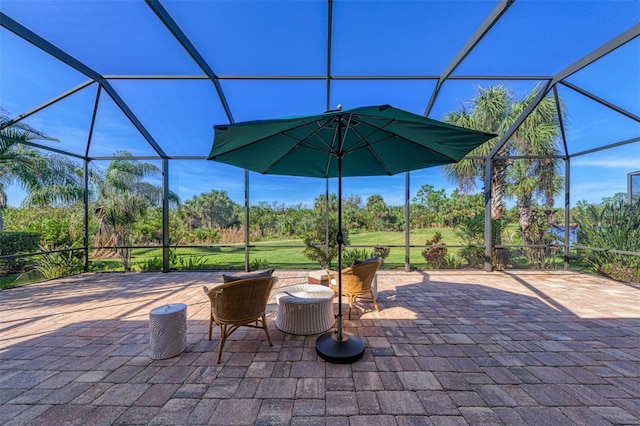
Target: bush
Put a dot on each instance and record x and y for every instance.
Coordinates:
(59, 264)
(151, 265)
(451, 262)
(183, 262)
(613, 226)
(315, 240)
(191, 263)
(435, 256)
(473, 256)
(16, 243)
(349, 256)
(257, 263)
(207, 235)
(231, 235)
(381, 252)
(59, 228)
(539, 232)
(471, 232)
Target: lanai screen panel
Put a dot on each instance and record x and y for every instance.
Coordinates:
(180, 67)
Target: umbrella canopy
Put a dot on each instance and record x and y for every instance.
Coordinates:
(372, 141)
(366, 141)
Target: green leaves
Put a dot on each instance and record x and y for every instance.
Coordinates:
(123, 199)
(495, 109)
(614, 226)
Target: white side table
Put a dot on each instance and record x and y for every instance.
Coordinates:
(305, 309)
(167, 331)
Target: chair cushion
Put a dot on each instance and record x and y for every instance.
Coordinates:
(371, 259)
(237, 277)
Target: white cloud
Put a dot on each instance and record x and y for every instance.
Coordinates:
(631, 163)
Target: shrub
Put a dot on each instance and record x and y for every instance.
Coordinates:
(58, 264)
(435, 255)
(315, 240)
(207, 235)
(231, 235)
(150, 265)
(192, 263)
(471, 232)
(185, 261)
(351, 255)
(257, 263)
(381, 252)
(613, 226)
(451, 262)
(16, 243)
(539, 232)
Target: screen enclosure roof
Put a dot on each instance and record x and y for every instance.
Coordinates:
(154, 77)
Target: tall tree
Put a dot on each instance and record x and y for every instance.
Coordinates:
(213, 209)
(531, 179)
(122, 200)
(319, 203)
(488, 112)
(430, 204)
(377, 212)
(353, 216)
(495, 109)
(47, 178)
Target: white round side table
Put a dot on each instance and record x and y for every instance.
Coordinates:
(305, 309)
(167, 331)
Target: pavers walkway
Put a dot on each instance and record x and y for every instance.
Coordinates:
(446, 348)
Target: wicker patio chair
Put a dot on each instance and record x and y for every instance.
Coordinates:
(239, 303)
(356, 282)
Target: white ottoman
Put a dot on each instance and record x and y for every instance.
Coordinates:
(305, 309)
(167, 331)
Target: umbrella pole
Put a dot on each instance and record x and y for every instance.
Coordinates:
(340, 242)
(338, 347)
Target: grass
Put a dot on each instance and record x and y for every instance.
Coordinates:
(277, 255)
(397, 254)
(8, 281)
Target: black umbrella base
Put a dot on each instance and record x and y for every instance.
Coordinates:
(345, 351)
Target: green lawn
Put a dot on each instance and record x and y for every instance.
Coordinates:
(276, 254)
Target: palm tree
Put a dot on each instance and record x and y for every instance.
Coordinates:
(47, 178)
(494, 109)
(122, 200)
(489, 112)
(533, 178)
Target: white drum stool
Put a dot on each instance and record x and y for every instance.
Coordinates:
(167, 331)
(305, 309)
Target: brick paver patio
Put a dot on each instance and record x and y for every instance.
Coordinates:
(446, 348)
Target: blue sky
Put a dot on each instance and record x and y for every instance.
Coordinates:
(288, 38)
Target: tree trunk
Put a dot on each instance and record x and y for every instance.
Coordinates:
(524, 213)
(498, 183)
(498, 179)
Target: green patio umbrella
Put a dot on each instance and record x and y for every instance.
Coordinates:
(366, 141)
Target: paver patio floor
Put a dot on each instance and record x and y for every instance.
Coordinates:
(446, 348)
